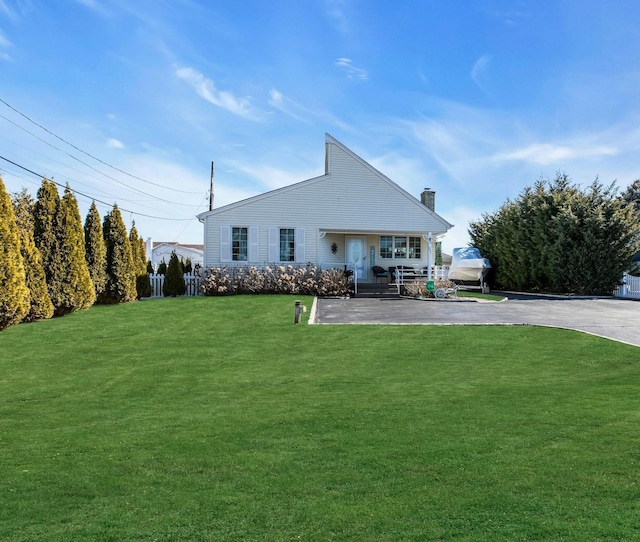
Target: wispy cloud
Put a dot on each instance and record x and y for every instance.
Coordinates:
(93, 5)
(336, 11)
(350, 70)
(114, 143)
(7, 11)
(88, 3)
(4, 44)
(269, 177)
(206, 89)
(290, 107)
(279, 101)
(480, 71)
(549, 154)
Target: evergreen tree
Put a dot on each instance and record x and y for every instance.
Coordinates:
(162, 268)
(150, 270)
(631, 197)
(121, 273)
(40, 305)
(77, 291)
(558, 238)
(95, 250)
(188, 266)
(174, 279)
(14, 294)
(45, 212)
(143, 285)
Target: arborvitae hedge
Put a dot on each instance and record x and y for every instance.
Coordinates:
(77, 291)
(40, 305)
(121, 273)
(174, 278)
(95, 250)
(143, 285)
(45, 211)
(558, 238)
(14, 294)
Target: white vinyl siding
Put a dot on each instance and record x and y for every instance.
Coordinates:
(352, 198)
(225, 243)
(299, 248)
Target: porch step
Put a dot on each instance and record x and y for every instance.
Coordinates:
(380, 290)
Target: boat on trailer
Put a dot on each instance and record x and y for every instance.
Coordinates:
(469, 268)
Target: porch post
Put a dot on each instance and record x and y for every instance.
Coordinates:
(429, 256)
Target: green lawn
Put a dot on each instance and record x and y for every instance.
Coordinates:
(218, 419)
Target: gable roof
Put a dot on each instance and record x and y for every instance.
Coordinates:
(329, 140)
(157, 244)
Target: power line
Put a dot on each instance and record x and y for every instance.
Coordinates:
(90, 155)
(94, 169)
(95, 199)
(84, 173)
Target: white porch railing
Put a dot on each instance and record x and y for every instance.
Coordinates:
(404, 276)
(630, 287)
(192, 283)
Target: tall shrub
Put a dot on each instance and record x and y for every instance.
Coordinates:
(138, 252)
(77, 291)
(45, 212)
(40, 305)
(95, 250)
(121, 277)
(559, 238)
(174, 279)
(14, 294)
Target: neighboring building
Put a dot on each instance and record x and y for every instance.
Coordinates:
(351, 216)
(161, 251)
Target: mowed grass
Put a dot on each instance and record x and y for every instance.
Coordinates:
(218, 419)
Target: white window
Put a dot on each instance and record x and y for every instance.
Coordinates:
(400, 247)
(239, 244)
(287, 245)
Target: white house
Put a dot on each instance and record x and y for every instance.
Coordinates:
(352, 216)
(161, 251)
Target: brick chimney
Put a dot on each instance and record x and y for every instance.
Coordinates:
(428, 198)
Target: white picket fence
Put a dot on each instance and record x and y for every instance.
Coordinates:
(630, 287)
(191, 281)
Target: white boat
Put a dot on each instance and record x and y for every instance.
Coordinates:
(467, 264)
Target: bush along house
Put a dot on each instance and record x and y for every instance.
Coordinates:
(352, 217)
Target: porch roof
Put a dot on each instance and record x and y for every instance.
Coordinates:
(352, 231)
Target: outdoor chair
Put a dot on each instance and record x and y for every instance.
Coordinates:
(379, 273)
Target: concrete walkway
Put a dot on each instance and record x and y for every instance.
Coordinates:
(617, 319)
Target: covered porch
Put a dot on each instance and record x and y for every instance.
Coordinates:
(361, 250)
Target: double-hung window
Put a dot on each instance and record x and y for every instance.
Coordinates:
(414, 247)
(400, 247)
(386, 246)
(287, 244)
(239, 244)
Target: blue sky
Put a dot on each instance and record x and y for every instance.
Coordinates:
(474, 99)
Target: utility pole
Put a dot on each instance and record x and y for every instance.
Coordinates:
(211, 190)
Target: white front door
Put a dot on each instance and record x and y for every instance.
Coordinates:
(356, 256)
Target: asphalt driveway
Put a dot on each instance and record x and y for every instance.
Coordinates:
(617, 319)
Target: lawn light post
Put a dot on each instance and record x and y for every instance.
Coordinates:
(298, 312)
